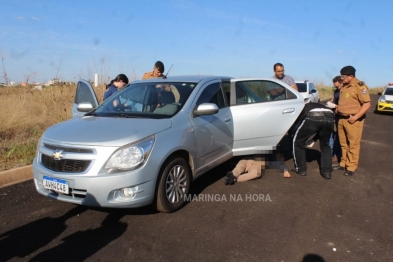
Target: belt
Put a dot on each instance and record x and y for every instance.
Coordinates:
(348, 116)
(321, 113)
(345, 117)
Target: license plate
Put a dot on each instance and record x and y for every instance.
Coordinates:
(55, 184)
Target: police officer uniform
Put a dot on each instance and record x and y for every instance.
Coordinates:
(317, 119)
(352, 96)
(159, 66)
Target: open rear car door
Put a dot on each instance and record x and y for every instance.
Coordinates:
(261, 119)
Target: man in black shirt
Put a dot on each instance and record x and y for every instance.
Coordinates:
(317, 119)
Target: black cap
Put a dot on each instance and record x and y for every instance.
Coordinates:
(160, 66)
(348, 70)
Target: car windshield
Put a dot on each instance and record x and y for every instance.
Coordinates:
(389, 91)
(302, 87)
(146, 100)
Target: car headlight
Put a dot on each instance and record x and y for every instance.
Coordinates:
(382, 99)
(130, 156)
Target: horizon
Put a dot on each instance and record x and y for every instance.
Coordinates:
(42, 40)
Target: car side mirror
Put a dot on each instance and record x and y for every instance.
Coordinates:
(84, 107)
(379, 94)
(206, 109)
(313, 91)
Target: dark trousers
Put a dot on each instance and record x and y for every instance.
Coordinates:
(323, 126)
(336, 149)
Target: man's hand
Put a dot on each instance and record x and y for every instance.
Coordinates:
(331, 105)
(352, 119)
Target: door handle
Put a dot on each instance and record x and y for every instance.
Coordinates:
(227, 119)
(288, 111)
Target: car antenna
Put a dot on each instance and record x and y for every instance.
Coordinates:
(167, 72)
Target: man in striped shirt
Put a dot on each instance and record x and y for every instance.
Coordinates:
(279, 93)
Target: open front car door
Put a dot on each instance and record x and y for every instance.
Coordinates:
(85, 99)
(263, 110)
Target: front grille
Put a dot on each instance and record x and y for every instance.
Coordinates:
(65, 165)
(73, 192)
(389, 102)
(68, 149)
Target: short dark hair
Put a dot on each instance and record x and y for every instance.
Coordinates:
(337, 79)
(160, 66)
(277, 64)
(348, 70)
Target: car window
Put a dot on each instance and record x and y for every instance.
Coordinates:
(84, 95)
(312, 87)
(389, 91)
(257, 91)
(302, 87)
(226, 86)
(212, 94)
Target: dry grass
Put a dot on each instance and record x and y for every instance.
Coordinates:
(326, 92)
(25, 115)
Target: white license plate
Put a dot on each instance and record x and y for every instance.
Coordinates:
(55, 184)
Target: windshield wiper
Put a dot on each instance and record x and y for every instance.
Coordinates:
(127, 116)
(91, 114)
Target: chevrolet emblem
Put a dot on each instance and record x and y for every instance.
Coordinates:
(57, 155)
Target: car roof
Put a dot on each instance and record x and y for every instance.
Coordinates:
(184, 78)
(301, 81)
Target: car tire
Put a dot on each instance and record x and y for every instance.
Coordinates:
(376, 109)
(173, 185)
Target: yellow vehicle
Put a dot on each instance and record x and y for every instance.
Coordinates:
(385, 102)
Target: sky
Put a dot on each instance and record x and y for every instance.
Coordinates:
(41, 40)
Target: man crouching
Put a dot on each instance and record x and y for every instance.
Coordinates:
(251, 168)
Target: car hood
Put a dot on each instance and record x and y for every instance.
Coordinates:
(104, 131)
(388, 97)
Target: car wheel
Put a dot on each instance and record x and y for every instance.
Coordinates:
(376, 109)
(173, 185)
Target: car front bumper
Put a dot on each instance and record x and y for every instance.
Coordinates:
(386, 107)
(102, 190)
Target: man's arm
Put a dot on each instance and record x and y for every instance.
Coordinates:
(294, 86)
(361, 112)
(276, 92)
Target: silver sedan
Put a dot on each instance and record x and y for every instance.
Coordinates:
(146, 143)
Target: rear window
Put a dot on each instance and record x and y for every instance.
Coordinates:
(302, 87)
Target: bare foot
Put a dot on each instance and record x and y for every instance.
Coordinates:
(287, 174)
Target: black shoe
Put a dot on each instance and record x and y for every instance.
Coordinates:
(327, 175)
(338, 167)
(303, 173)
(230, 179)
(349, 173)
